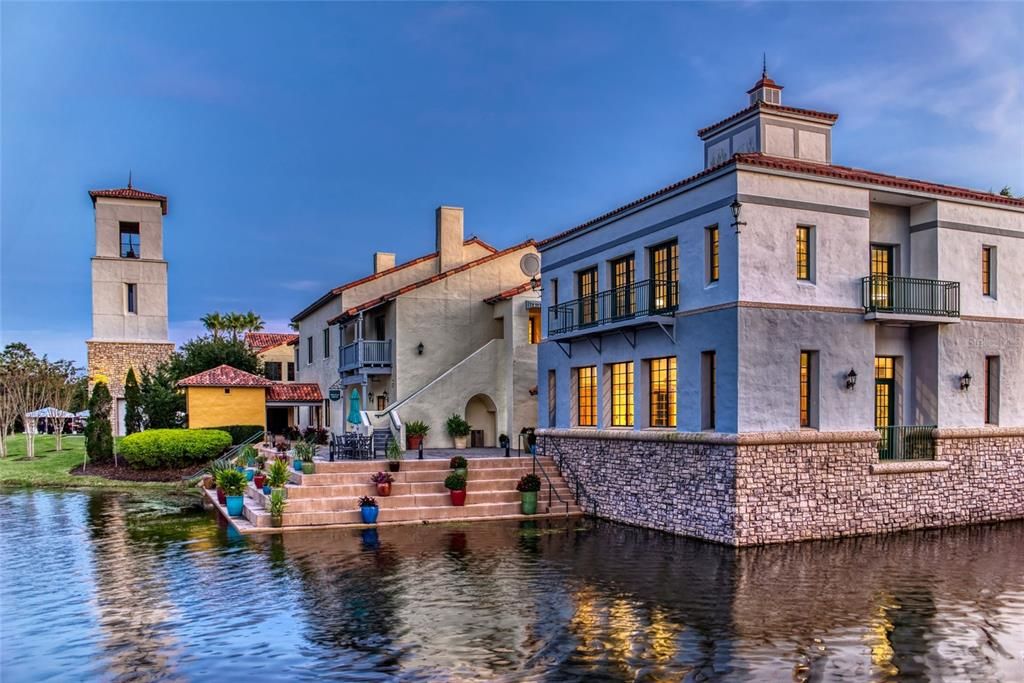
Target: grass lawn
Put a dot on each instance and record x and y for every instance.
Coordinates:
(50, 468)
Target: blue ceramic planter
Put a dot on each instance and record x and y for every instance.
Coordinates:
(266, 489)
(249, 474)
(240, 469)
(297, 465)
(369, 514)
(235, 505)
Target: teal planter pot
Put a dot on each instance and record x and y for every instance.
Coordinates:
(529, 506)
(267, 490)
(240, 469)
(297, 465)
(308, 468)
(369, 514)
(235, 505)
(249, 474)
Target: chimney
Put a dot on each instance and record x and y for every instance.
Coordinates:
(450, 250)
(382, 261)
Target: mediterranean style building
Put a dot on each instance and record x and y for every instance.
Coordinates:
(129, 289)
(453, 331)
(781, 348)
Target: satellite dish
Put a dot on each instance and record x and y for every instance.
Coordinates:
(530, 264)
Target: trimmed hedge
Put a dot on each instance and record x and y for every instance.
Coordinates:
(173, 448)
(240, 433)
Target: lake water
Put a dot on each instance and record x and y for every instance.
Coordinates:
(106, 586)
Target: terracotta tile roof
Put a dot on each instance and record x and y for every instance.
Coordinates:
(348, 313)
(508, 293)
(765, 81)
(798, 166)
(858, 175)
(374, 276)
(264, 341)
(130, 193)
(225, 376)
(823, 115)
(294, 392)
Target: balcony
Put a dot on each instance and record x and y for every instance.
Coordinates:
(910, 300)
(369, 356)
(906, 442)
(638, 303)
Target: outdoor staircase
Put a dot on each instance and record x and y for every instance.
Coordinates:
(381, 439)
(331, 496)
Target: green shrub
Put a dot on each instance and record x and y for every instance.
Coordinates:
(456, 426)
(240, 433)
(173, 448)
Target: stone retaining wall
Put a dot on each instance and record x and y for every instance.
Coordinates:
(771, 488)
(113, 359)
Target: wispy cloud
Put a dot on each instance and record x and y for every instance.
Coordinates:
(301, 285)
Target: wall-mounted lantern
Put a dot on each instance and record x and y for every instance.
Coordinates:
(851, 379)
(369, 396)
(419, 349)
(736, 222)
(965, 381)
(385, 397)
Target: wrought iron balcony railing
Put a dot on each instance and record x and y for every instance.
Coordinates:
(910, 295)
(365, 353)
(906, 442)
(637, 300)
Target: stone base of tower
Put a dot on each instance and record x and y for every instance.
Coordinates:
(114, 358)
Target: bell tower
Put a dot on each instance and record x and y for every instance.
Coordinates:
(129, 288)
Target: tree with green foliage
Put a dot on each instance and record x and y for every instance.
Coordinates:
(99, 439)
(62, 379)
(133, 415)
(204, 353)
(162, 403)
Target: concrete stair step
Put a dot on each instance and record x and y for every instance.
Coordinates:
(341, 466)
(365, 488)
(424, 500)
(351, 478)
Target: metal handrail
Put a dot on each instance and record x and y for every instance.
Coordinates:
(551, 487)
(228, 455)
(563, 466)
(910, 295)
(635, 300)
(906, 442)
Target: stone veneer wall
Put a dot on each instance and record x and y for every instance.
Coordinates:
(114, 358)
(752, 489)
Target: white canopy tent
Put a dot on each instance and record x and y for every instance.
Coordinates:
(46, 414)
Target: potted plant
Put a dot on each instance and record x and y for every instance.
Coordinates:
(216, 467)
(261, 462)
(278, 476)
(394, 455)
(368, 508)
(240, 463)
(233, 482)
(249, 453)
(304, 457)
(529, 485)
(458, 429)
(383, 480)
(259, 479)
(267, 488)
(460, 465)
(415, 432)
(276, 508)
(456, 485)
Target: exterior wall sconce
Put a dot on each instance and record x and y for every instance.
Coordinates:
(369, 396)
(965, 381)
(851, 379)
(736, 222)
(535, 283)
(385, 397)
(419, 349)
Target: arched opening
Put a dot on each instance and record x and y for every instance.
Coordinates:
(482, 416)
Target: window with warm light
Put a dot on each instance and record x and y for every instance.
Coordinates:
(623, 271)
(622, 394)
(663, 391)
(808, 389)
(586, 396)
(665, 274)
(804, 247)
(988, 265)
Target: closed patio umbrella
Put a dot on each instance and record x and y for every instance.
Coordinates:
(353, 408)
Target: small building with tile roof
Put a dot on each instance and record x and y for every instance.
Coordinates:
(276, 350)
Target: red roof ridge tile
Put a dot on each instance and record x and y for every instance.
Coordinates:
(308, 392)
(130, 193)
(813, 113)
(264, 341)
(430, 280)
(224, 376)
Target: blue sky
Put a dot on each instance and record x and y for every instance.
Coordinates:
(295, 139)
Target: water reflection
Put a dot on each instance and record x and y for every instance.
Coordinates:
(123, 592)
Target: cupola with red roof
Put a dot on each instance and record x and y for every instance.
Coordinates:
(767, 127)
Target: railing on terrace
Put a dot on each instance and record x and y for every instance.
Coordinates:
(366, 352)
(580, 495)
(228, 456)
(636, 300)
(910, 295)
(906, 442)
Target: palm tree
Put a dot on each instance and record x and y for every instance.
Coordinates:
(253, 322)
(234, 323)
(215, 323)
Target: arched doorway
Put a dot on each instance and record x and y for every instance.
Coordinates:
(482, 415)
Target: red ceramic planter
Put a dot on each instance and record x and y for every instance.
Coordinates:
(413, 442)
(221, 497)
(383, 490)
(458, 497)
(259, 480)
